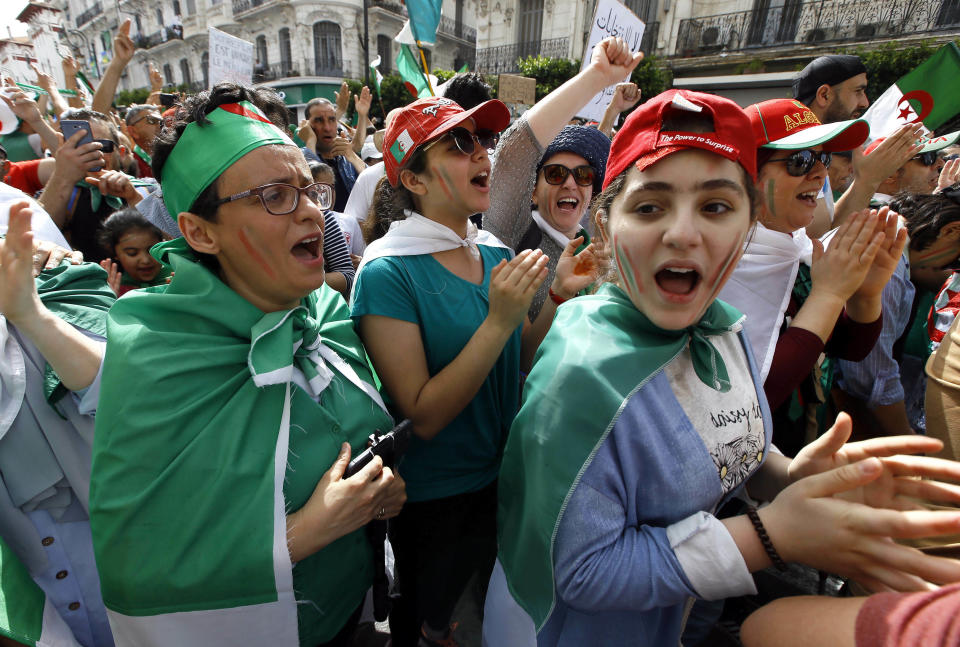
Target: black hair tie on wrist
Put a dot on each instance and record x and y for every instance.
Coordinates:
(765, 539)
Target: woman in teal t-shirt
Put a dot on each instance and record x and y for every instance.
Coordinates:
(441, 309)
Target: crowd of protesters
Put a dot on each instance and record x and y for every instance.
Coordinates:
(640, 365)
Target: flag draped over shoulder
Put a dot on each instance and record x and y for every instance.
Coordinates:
(928, 94)
(190, 467)
(605, 349)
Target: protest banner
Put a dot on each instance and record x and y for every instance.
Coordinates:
(513, 88)
(231, 58)
(611, 18)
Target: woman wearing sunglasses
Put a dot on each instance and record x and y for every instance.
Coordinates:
(567, 177)
(831, 300)
(231, 401)
(442, 308)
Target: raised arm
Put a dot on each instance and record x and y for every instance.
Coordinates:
(75, 357)
(123, 49)
(362, 104)
(46, 82)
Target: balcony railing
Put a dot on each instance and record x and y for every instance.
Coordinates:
(503, 59)
(89, 14)
(240, 6)
(165, 34)
(457, 29)
(276, 71)
(322, 68)
(808, 23)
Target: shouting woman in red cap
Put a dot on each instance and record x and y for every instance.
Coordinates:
(606, 521)
(442, 310)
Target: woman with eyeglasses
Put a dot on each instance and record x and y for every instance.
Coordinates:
(231, 401)
(568, 175)
(800, 301)
(441, 307)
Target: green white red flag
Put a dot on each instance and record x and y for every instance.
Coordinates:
(929, 94)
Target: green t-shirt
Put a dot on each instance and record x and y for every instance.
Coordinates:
(465, 455)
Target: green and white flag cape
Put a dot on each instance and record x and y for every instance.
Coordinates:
(187, 499)
(929, 94)
(605, 350)
(25, 615)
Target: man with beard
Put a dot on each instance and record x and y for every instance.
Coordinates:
(834, 87)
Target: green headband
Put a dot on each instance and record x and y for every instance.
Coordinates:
(203, 153)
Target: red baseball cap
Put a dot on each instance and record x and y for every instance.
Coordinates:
(787, 124)
(643, 141)
(426, 119)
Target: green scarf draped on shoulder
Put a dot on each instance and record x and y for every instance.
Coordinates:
(603, 349)
(187, 499)
(79, 295)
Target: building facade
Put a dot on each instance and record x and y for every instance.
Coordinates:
(304, 48)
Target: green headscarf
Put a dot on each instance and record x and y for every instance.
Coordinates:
(204, 152)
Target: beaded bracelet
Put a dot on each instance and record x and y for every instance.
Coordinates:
(765, 539)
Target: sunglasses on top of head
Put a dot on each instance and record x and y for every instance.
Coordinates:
(800, 163)
(927, 159)
(557, 174)
(466, 140)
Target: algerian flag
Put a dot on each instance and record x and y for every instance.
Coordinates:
(412, 73)
(85, 84)
(374, 64)
(424, 19)
(26, 616)
(928, 95)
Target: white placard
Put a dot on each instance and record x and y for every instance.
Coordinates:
(611, 18)
(231, 58)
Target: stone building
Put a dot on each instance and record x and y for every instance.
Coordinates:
(303, 48)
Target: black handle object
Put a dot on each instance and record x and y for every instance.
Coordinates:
(389, 447)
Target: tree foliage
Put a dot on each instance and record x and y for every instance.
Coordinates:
(888, 62)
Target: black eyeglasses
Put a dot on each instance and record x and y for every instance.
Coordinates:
(557, 174)
(927, 159)
(281, 199)
(151, 119)
(106, 144)
(800, 163)
(466, 140)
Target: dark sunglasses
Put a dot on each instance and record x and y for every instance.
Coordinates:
(557, 174)
(281, 199)
(800, 163)
(466, 140)
(927, 159)
(106, 144)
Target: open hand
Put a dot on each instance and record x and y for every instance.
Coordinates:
(342, 99)
(575, 272)
(840, 270)
(362, 103)
(512, 286)
(813, 521)
(113, 275)
(949, 175)
(888, 254)
(18, 293)
(889, 155)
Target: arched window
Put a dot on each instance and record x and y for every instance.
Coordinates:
(262, 52)
(328, 59)
(185, 71)
(286, 58)
(529, 27)
(205, 68)
(168, 74)
(385, 51)
(160, 16)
